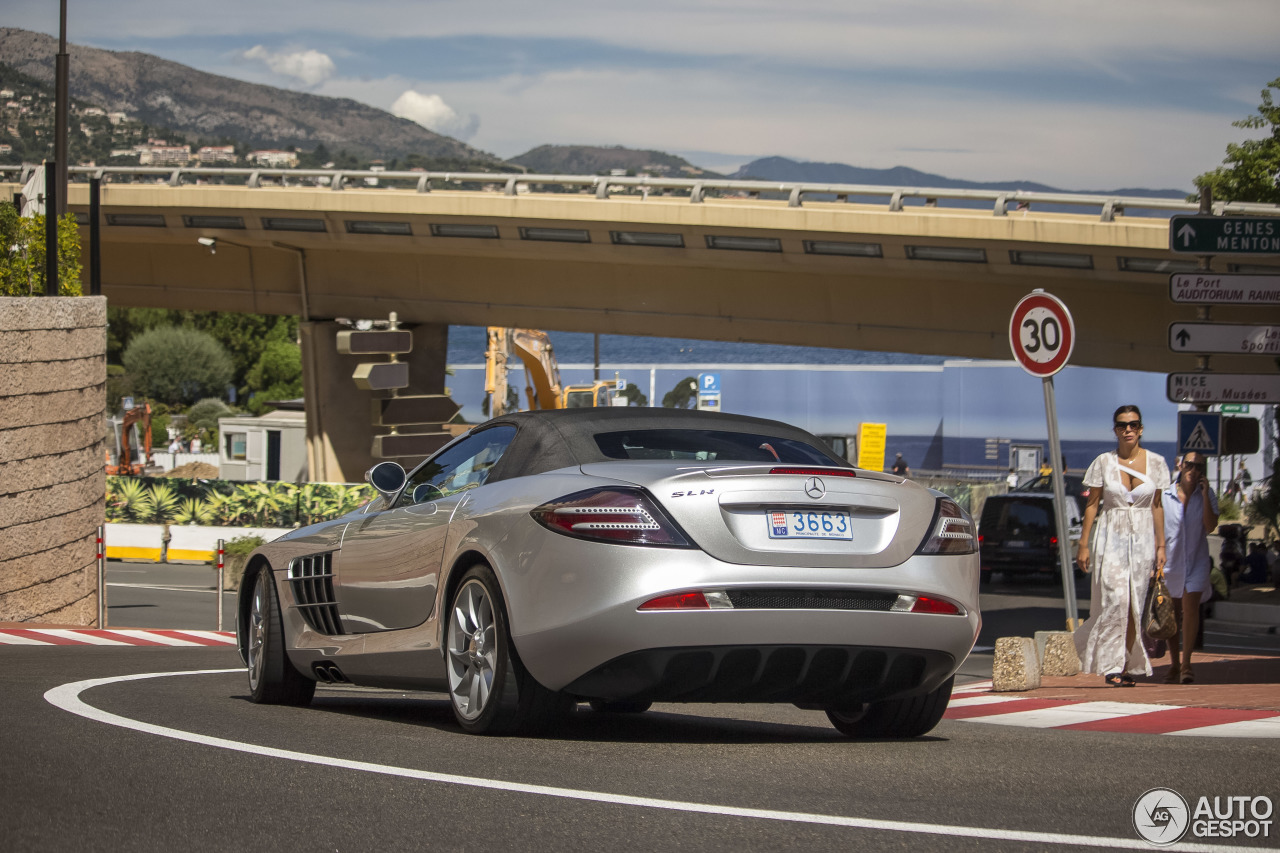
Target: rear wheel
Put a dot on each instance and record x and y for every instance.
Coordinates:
(606, 706)
(273, 680)
(489, 688)
(895, 718)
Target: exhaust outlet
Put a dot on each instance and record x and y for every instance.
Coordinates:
(322, 673)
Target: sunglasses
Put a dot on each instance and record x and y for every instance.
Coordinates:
(1199, 466)
(1125, 426)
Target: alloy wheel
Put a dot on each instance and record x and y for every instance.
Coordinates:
(473, 650)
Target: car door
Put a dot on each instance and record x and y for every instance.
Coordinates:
(390, 561)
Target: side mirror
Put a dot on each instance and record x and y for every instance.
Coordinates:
(387, 477)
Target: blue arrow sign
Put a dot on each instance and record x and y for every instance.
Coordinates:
(1199, 431)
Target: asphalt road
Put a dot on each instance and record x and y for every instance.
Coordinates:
(363, 770)
(72, 783)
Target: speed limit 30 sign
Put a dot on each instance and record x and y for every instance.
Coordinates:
(1041, 334)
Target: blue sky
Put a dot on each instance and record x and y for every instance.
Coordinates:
(1089, 94)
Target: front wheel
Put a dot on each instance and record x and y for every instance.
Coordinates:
(273, 680)
(489, 688)
(912, 716)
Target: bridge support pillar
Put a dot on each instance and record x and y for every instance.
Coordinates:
(340, 427)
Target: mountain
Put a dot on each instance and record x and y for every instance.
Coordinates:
(206, 106)
(594, 160)
(782, 169)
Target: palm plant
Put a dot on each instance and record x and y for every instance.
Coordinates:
(255, 503)
(193, 511)
(159, 505)
(126, 497)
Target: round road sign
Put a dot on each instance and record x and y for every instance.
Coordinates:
(1041, 334)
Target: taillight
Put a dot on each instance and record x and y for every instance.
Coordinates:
(618, 515)
(1053, 541)
(951, 531)
(678, 601)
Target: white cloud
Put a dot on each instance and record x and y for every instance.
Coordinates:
(430, 111)
(311, 67)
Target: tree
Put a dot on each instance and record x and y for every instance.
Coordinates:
(276, 376)
(683, 396)
(22, 254)
(1251, 169)
(635, 397)
(177, 366)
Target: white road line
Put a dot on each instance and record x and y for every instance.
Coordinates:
(1080, 712)
(81, 637)
(169, 588)
(1265, 727)
(969, 701)
(142, 634)
(15, 640)
(67, 697)
(209, 635)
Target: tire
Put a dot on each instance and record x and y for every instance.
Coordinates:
(895, 718)
(273, 680)
(490, 690)
(605, 706)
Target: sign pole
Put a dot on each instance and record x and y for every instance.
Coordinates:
(221, 555)
(1060, 507)
(1042, 335)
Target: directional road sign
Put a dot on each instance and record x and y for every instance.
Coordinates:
(1223, 387)
(375, 341)
(1041, 334)
(382, 376)
(1237, 338)
(1225, 235)
(409, 444)
(1199, 431)
(1235, 408)
(1209, 288)
(417, 409)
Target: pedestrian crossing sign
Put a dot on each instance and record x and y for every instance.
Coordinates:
(1199, 431)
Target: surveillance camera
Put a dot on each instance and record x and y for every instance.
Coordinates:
(208, 241)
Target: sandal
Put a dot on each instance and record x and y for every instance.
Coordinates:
(1127, 681)
(1173, 676)
(1188, 677)
(1119, 679)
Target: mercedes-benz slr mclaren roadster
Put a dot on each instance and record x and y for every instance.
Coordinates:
(623, 557)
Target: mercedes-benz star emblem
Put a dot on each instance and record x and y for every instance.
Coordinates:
(815, 488)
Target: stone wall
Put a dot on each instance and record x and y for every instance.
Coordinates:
(52, 478)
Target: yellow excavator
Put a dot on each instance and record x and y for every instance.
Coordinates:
(543, 389)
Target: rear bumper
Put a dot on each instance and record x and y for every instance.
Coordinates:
(837, 676)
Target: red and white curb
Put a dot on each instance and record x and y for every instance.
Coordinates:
(123, 637)
(975, 703)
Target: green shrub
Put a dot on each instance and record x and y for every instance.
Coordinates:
(236, 556)
(1228, 509)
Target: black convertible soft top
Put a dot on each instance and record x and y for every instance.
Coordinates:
(561, 438)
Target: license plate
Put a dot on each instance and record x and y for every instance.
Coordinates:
(808, 524)
(1017, 543)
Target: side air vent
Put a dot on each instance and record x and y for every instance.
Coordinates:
(312, 582)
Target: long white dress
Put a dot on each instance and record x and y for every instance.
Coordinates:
(1121, 560)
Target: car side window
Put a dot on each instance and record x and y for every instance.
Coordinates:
(465, 465)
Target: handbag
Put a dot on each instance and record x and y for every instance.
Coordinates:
(1159, 622)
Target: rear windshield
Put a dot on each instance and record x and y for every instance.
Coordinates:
(705, 445)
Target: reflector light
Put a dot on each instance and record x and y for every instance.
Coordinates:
(933, 605)
(678, 601)
(618, 515)
(816, 472)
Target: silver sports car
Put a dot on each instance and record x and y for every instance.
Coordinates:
(622, 557)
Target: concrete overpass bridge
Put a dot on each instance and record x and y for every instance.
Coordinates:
(848, 266)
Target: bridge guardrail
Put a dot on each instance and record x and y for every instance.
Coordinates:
(604, 187)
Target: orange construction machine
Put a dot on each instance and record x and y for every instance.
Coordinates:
(139, 416)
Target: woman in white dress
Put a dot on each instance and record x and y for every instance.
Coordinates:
(1124, 500)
